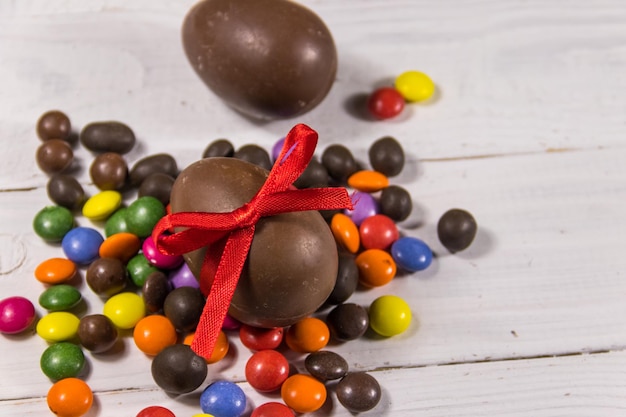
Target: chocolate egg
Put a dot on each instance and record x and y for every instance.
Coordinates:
(269, 59)
(292, 263)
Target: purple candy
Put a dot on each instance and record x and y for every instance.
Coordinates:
(16, 315)
(182, 277)
(158, 259)
(230, 323)
(278, 146)
(364, 206)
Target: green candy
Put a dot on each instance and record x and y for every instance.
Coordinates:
(52, 223)
(116, 223)
(139, 267)
(143, 214)
(62, 360)
(59, 298)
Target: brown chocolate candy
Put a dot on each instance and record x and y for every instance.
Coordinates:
(108, 171)
(292, 264)
(107, 136)
(268, 59)
(54, 124)
(106, 276)
(66, 191)
(160, 162)
(54, 156)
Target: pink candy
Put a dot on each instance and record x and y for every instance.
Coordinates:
(16, 315)
(158, 259)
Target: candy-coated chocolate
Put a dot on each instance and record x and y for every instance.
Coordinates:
(142, 169)
(347, 279)
(376, 267)
(116, 223)
(16, 314)
(268, 59)
(157, 185)
(276, 148)
(326, 365)
(52, 223)
(411, 254)
(57, 326)
(54, 124)
(154, 333)
(395, 202)
(154, 291)
(62, 360)
(158, 259)
(178, 370)
(107, 136)
(183, 306)
(60, 297)
(292, 262)
(109, 171)
(307, 335)
(122, 246)
(106, 276)
(378, 232)
(155, 411)
(358, 392)
(54, 156)
(231, 323)
(456, 229)
(65, 190)
(387, 156)
(55, 271)
(345, 232)
(70, 397)
(219, 147)
(255, 338)
(266, 370)
(385, 103)
(368, 181)
(97, 333)
(272, 409)
(347, 321)
(303, 393)
(224, 399)
(143, 214)
(100, 206)
(139, 268)
(255, 155)
(389, 315)
(415, 86)
(222, 345)
(314, 176)
(339, 162)
(364, 206)
(183, 277)
(81, 245)
(125, 309)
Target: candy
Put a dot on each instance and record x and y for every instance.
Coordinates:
(142, 169)
(108, 171)
(219, 147)
(307, 335)
(55, 271)
(70, 397)
(303, 393)
(154, 333)
(364, 206)
(395, 202)
(54, 124)
(158, 259)
(177, 370)
(60, 297)
(183, 277)
(65, 190)
(385, 103)
(125, 309)
(100, 206)
(376, 267)
(276, 148)
(143, 214)
(52, 223)
(155, 411)
(106, 276)
(339, 162)
(347, 321)
(139, 268)
(326, 365)
(358, 392)
(183, 306)
(97, 333)
(456, 229)
(154, 291)
(345, 232)
(116, 223)
(255, 338)
(157, 185)
(378, 232)
(272, 409)
(386, 156)
(368, 181)
(82, 245)
(389, 315)
(220, 349)
(411, 254)
(16, 314)
(62, 360)
(107, 136)
(54, 156)
(255, 155)
(415, 86)
(122, 246)
(347, 279)
(57, 326)
(223, 399)
(315, 175)
(266, 370)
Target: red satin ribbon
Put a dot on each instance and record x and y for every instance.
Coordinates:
(230, 234)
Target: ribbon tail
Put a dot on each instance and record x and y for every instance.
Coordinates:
(222, 290)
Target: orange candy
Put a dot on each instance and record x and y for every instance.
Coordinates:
(154, 333)
(55, 271)
(122, 246)
(303, 393)
(368, 181)
(308, 335)
(345, 232)
(219, 351)
(376, 267)
(70, 397)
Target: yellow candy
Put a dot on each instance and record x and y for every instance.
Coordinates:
(100, 206)
(125, 309)
(58, 326)
(415, 86)
(389, 315)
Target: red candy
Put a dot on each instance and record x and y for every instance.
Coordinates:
(255, 338)
(16, 315)
(385, 103)
(155, 411)
(272, 409)
(378, 232)
(266, 370)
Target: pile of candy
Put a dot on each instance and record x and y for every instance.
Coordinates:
(157, 296)
(409, 87)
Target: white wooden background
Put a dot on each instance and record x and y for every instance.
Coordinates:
(528, 133)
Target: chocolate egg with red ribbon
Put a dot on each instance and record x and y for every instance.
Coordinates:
(291, 267)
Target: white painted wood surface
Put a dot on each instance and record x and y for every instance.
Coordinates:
(528, 133)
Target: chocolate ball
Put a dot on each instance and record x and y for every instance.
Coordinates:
(268, 59)
(292, 264)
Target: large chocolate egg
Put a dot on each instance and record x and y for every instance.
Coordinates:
(269, 59)
(292, 264)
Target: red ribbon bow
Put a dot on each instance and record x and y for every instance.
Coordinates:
(236, 229)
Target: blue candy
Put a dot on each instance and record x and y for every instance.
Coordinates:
(81, 245)
(223, 399)
(411, 254)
